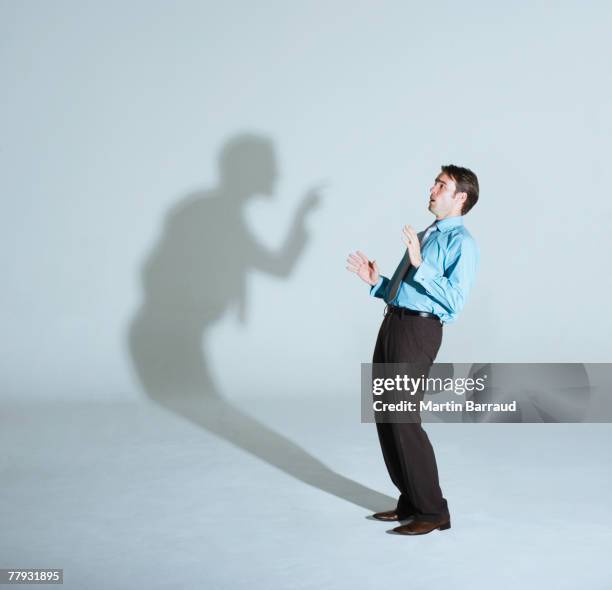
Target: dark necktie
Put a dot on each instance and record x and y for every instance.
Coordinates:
(404, 265)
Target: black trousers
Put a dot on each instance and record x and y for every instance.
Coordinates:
(408, 454)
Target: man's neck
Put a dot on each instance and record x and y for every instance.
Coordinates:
(447, 216)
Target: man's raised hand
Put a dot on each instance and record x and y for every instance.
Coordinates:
(411, 240)
(365, 269)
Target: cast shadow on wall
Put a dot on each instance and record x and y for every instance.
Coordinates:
(195, 273)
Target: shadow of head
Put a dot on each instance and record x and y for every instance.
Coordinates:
(247, 166)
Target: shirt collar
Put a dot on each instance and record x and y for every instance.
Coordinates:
(449, 223)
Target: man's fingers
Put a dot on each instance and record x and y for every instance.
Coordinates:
(363, 257)
(409, 240)
(355, 259)
(410, 235)
(409, 231)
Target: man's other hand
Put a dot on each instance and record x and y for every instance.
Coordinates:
(411, 240)
(365, 269)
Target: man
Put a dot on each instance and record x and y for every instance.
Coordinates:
(428, 289)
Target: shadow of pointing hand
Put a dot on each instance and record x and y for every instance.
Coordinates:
(311, 201)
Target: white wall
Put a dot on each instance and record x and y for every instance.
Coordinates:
(114, 112)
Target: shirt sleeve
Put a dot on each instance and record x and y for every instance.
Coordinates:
(380, 289)
(450, 287)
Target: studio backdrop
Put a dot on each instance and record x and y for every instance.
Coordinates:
(182, 183)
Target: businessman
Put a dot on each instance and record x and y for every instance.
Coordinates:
(428, 289)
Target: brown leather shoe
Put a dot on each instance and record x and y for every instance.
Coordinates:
(390, 515)
(386, 516)
(417, 527)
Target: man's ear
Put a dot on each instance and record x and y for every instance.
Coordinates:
(462, 197)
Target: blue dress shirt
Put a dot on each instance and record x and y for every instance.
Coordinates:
(443, 280)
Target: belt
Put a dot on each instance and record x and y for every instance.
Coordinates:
(401, 311)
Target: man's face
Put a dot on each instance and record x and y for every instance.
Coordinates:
(443, 201)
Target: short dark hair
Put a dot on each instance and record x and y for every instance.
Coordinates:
(466, 182)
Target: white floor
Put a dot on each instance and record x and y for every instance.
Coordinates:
(136, 496)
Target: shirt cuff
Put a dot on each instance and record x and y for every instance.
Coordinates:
(376, 290)
(425, 273)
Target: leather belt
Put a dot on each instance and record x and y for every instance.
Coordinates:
(401, 311)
